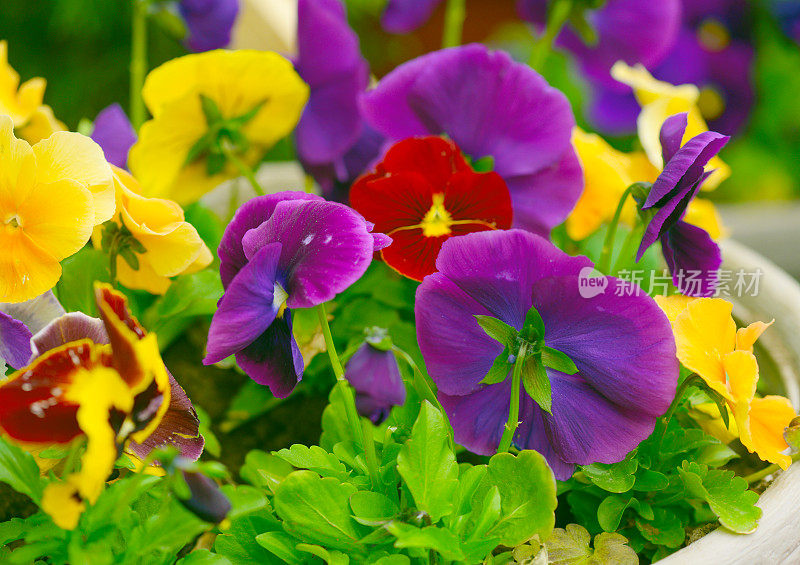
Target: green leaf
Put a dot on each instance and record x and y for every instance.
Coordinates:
(527, 496)
(570, 546)
(204, 557)
(497, 329)
(650, 481)
(393, 560)
(372, 508)
(245, 500)
(315, 459)
(335, 428)
(664, 529)
(555, 359)
(264, 470)
(282, 545)
(441, 540)
(239, 544)
(726, 494)
(317, 510)
(610, 511)
(499, 369)
(18, 469)
(537, 383)
(75, 288)
(533, 326)
(210, 110)
(427, 464)
(616, 477)
(188, 296)
(329, 557)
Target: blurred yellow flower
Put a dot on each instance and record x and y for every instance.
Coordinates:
(660, 100)
(709, 344)
(206, 105)
(23, 103)
(173, 246)
(51, 196)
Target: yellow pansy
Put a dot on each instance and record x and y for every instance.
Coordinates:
(709, 344)
(660, 100)
(172, 245)
(51, 196)
(41, 125)
(253, 98)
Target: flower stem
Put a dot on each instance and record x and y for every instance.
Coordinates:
(682, 388)
(244, 169)
(608, 243)
(557, 16)
(629, 246)
(454, 23)
(766, 471)
(421, 383)
(513, 411)
(138, 68)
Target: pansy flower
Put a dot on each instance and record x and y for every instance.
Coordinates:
(209, 22)
(491, 107)
(208, 105)
(709, 344)
(375, 376)
(114, 133)
(167, 245)
(280, 252)
(621, 377)
(692, 256)
(404, 16)
(421, 194)
(108, 394)
(51, 196)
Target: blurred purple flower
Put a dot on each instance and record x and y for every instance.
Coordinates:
(687, 249)
(489, 106)
(209, 22)
(206, 500)
(621, 343)
(788, 14)
(283, 251)
(375, 376)
(15, 342)
(404, 16)
(114, 133)
(333, 143)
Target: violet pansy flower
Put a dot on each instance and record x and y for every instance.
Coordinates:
(15, 342)
(283, 251)
(209, 23)
(620, 343)
(114, 133)
(489, 106)
(333, 142)
(20, 321)
(692, 256)
(404, 16)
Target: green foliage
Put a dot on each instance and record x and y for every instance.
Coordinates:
(75, 288)
(19, 470)
(570, 546)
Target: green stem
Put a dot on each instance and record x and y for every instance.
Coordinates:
(138, 68)
(557, 16)
(766, 471)
(628, 250)
(371, 456)
(513, 411)
(682, 388)
(454, 23)
(244, 169)
(608, 243)
(421, 383)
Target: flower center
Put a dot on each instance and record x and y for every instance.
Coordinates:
(279, 296)
(13, 222)
(437, 220)
(711, 103)
(714, 35)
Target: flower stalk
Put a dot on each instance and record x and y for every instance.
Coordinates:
(453, 23)
(608, 243)
(513, 412)
(245, 170)
(557, 15)
(138, 67)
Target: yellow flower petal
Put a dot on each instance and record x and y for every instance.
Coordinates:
(18, 102)
(673, 305)
(746, 337)
(26, 270)
(769, 417)
(62, 502)
(708, 417)
(703, 214)
(741, 369)
(17, 169)
(41, 125)
(704, 332)
(68, 155)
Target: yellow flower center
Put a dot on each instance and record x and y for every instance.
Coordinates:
(14, 222)
(711, 103)
(437, 220)
(279, 296)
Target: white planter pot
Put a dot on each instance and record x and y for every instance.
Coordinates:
(777, 539)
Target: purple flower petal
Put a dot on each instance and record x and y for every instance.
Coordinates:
(613, 112)
(693, 259)
(15, 342)
(69, 327)
(326, 248)
(207, 501)
(250, 215)
(404, 16)
(114, 133)
(274, 359)
(35, 313)
(672, 211)
(209, 21)
(375, 376)
(671, 135)
(247, 308)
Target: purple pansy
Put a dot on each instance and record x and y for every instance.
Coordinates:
(404, 16)
(179, 426)
(621, 343)
(18, 323)
(489, 106)
(333, 143)
(209, 22)
(634, 31)
(375, 376)
(15, 342)
(692, 256)
(114, 133)
(283, 251)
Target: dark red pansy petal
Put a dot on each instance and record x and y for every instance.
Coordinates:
(433, 157)
(123, 332)
(412, 254)
(117, 303)
(479, 196)
(396, 201)
(32, 409)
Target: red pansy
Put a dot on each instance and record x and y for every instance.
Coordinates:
(421, 194)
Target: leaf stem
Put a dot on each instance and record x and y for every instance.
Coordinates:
(629, 247)
(244, 169)
(454, 16)
(682, 388)
(138, 66)
(766, 471)
(513, 411)
(557, 16)
(608, 243)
